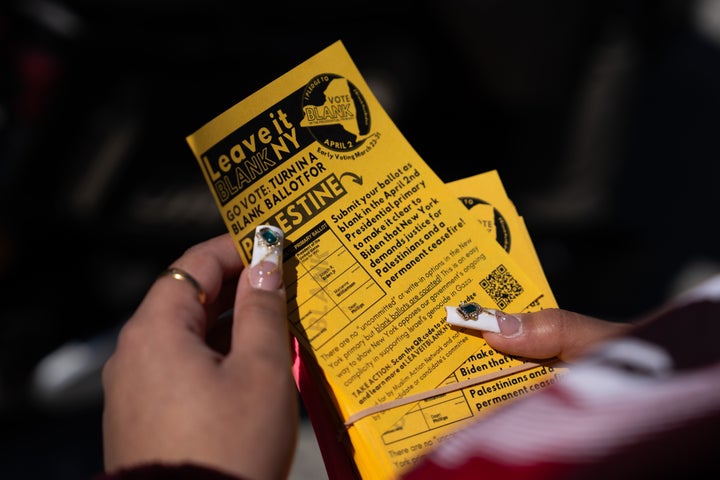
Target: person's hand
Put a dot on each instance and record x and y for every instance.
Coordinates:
(170, 398)
(551, 333)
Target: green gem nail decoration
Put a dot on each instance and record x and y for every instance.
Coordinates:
(269, 236)
(469, 310)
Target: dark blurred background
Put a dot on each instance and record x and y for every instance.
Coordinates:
(602, 118)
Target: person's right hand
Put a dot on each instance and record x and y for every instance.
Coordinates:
(551, 333)
(172, 400)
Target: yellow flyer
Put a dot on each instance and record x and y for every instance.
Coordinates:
(423, 425)
(376, 244)
(484, 195)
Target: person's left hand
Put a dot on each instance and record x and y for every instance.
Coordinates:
(170, 398)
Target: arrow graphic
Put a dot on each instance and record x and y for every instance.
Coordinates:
(355, 178)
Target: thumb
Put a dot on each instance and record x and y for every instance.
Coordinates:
(550, 333)
(260, 318)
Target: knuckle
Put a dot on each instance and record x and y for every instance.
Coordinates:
(131, 335)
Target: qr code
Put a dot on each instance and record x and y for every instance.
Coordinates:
(501, 286)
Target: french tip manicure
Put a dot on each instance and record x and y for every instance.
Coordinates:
(483, 321)
(486, 320)
(266, 276)
(510, 325)
(266, 265)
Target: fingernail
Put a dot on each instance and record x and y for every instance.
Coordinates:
(510, 325)
(472, 315)
(266, 265)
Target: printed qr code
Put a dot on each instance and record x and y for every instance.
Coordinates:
(501, 286)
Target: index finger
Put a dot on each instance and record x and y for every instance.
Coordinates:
(175, 300)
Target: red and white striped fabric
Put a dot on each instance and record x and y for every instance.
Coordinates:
(644, 406)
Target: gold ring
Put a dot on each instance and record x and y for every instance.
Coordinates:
(179, 274)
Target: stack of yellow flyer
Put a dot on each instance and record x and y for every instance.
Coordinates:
(376, 248)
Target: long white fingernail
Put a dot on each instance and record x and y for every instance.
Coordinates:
(266, 264)
(484, 319)
(472, 315)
